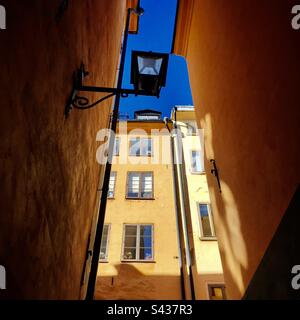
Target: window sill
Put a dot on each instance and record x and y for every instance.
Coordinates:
(141, 156)
(138, 261)
(111, 198)
(103, 261)
(127, 198)
(208, 238)
(198, 173)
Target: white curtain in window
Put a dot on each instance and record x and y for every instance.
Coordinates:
(135, 147)
(147, 184)
(134, 183)
(146, 147)
(104, 241)
(112, 182)
(196, 162)
(116, 147)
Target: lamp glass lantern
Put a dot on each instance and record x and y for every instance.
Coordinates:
(149, 71)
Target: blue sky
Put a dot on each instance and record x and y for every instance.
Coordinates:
(156, 29)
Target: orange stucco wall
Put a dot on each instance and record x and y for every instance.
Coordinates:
(48, 172)
(243, 59)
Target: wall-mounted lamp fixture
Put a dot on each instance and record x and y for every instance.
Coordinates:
(148, 76)
(215, 172)
(149, 71)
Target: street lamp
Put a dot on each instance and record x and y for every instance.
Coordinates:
(148, 76)
(149, 71)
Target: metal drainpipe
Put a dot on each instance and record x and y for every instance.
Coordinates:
(102, 209)
(184, 246)
(183, 195)
(178, 219)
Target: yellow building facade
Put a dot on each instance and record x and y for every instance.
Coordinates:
(206, 267)
(140, 214)
(155, 244)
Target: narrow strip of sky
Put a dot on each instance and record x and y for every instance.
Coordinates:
(156, 29)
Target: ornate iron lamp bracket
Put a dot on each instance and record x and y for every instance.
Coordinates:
(82, 102)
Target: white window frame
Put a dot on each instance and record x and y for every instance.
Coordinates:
(107, 243)
(201, 162)
(218, 285)
(149, 117)
(190, 124)
(211, 222)
(138, 234)
(114, 190)
(140, 173)
(149, 154)
(117, 143)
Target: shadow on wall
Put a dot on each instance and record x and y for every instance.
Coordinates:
(276, 260)
(282, 255)
(129, 283)
(228, 223)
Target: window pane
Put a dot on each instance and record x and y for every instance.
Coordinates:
(146, 230)
(146, 185)
(206, 227)
(146, 147)
(148, 117)
(130, 231)
(130, 242)
(217, 293)
(116, 147)
(204, 210)
(133, 185)
(196, 162)
(129, 254)
(205, 221)
(104, 240)
(146, 242)
(111, 187)
(134, 147)
(146, 254)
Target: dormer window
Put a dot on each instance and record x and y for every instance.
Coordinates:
(147, 115)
